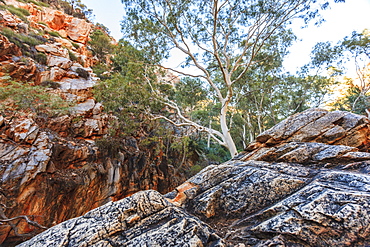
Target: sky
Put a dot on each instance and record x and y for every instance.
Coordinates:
(341, 20)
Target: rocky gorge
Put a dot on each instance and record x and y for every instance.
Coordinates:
(305, 182)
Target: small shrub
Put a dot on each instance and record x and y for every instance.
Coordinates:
(72, 56)
(21, 13)
(50, 84)
(75, 45)
(41, 4)
(24, 60)
(41, 58)
(195, 169)
(19, 38)
(54, 34)
(83, 73)
(38, 37)
(109, 146)
(23, 96)
(43, 23)
(25, 12)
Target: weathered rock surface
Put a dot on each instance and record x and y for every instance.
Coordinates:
(56, 58)
(54, 172)
(297, 185)
(116, 224)
(68, 26)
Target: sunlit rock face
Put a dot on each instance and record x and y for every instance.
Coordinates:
(57, 56)
(305, 182)
(70, 27)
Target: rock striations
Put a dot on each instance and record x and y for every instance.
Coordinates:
(305, 182)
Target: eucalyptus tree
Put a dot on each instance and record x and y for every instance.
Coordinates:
(218, 38)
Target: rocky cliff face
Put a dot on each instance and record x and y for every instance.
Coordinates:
(51, 169)
(305, 182)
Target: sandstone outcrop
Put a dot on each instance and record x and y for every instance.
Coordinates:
(53, 171)
(305, 182)
(54, 58)
(67, 26)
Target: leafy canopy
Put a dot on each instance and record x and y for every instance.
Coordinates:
(222, 40)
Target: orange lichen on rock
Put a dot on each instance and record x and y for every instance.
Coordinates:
(181, 195)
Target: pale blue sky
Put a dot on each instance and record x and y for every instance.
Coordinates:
(341, 20)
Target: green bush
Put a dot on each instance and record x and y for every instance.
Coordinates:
(23, 96)
(50, 84)
(75, 45)
(54, 34)
(41, 58)
(43, 23)
(83, 73)
(72, 56)
(19, 39)
(41, 4)
(100, 44)
(100, 69)
(109, 146)
(21, 13)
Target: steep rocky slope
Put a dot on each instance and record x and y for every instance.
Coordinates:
(51, 169)
(305, 182)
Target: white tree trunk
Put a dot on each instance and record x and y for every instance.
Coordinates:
(229, 142)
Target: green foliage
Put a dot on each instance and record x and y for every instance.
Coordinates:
(72, 7)
(224, 41)
(54, 34)
(21, 13)
(100, 44)
(72, 56)
(83, 73)
(19, 38)
(23, 96)
(354, 49)
(43, 23)
(41, 4)
(75, 45)
(50, 84)
(17, 11)
(127, 99)
(66, 7)
(354, 101)
(41, 58)
(109, 146)
(189, 92)
(102, 70)
(26, 43)
(102, 27)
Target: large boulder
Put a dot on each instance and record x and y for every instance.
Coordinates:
(146, 218)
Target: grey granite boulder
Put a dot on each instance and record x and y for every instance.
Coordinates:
(144, 219)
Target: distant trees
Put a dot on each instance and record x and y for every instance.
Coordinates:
(234, 47)
(352, 51)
